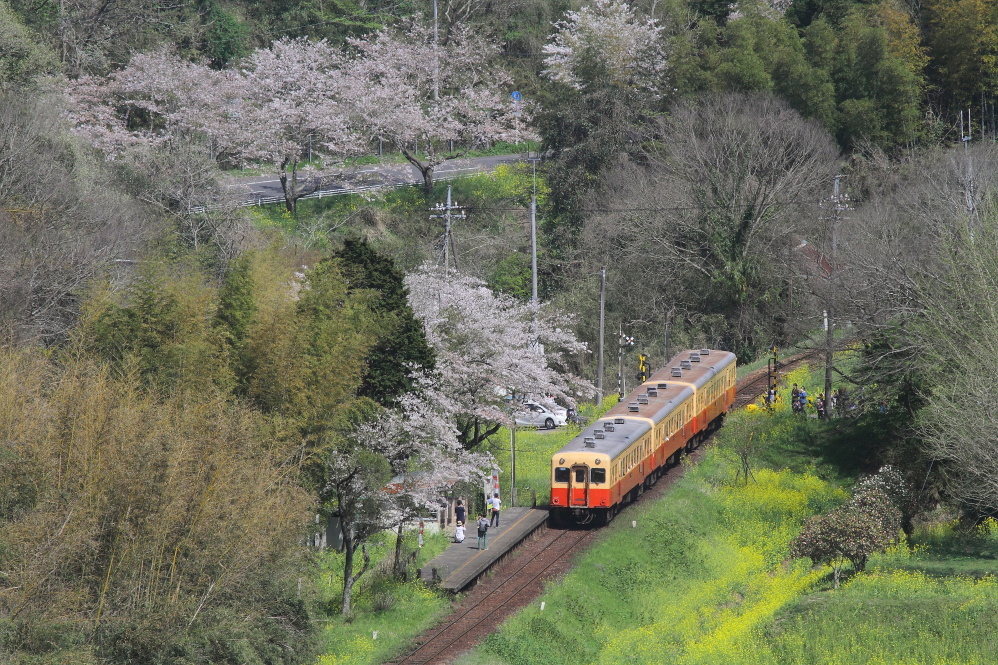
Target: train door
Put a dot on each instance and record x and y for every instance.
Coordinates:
(578, 486)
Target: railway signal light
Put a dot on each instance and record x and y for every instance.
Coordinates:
(642, 367)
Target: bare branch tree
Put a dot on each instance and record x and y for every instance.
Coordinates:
(715, 210)
(61, 226)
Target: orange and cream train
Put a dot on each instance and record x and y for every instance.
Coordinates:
(616, 458)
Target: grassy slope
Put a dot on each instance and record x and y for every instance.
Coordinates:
(703, 578)
(399, 611)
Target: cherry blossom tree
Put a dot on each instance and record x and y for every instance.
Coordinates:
(282, 100)
(296, 94)
(432, 458)
(155, 98)
(385, 471)
(489, 346)
(419, 95)
(606, 39)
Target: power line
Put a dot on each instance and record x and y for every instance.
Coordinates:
(812, 204)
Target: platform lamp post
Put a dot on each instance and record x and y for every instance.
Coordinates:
(512, 465)
(512, 454)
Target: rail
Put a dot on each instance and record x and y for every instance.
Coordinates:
(526, 572)
(519, 582)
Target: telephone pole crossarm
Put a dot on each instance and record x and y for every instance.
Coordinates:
(446, 212)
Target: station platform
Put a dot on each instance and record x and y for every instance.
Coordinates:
(463, 563)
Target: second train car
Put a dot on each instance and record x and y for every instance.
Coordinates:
(616, 458)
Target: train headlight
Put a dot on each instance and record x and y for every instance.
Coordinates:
(597, 460)
(561, 461)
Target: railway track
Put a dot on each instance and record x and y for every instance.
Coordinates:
(756, 383)
(520, 578)
(514, 585)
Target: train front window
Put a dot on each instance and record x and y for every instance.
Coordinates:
(598, 475)
(561, 475)
(580, 475)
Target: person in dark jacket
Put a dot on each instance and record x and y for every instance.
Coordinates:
(483, 532)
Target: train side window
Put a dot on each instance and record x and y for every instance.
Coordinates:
(598, 475)
(561, 475)
(580, 475)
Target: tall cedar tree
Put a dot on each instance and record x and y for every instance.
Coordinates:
(403, 345)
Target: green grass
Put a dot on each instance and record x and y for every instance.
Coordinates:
(888, 617)
(704, 577)
(398, 611)
(503, 148)
(927, 605)
(534, 449)
(815, 340)
(690, 584)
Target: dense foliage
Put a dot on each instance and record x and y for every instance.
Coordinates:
(143, 526)
(175, 368)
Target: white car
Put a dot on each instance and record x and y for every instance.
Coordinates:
(532, 414)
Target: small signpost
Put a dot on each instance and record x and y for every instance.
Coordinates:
(517, 99)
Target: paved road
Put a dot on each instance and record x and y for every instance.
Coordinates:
(348, 180)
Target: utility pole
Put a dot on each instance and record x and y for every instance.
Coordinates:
(602, 321)
(447, 215)
(968, 189)
(839, 203)
(533, 236)
(668, 317)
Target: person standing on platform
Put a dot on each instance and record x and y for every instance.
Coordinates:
(483, 533)
(460, 514)
(496, 506)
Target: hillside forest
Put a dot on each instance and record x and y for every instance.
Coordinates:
(188, 386)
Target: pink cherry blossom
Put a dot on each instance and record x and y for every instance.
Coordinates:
(490, 345)
(630, 49)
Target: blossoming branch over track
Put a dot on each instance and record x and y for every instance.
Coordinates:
(546, 554)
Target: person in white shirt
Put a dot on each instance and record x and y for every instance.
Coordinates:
(459, 533)
(496, 505)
